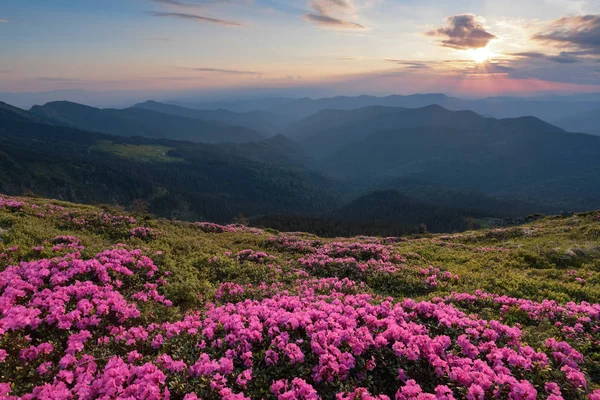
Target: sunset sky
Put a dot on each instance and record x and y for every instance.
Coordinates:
(469, 47)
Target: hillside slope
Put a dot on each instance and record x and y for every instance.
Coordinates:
(132, 304)
(177, 179)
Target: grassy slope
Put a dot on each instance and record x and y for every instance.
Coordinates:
(535, 265)
(537, 261)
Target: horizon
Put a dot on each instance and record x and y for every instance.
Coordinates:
(117, 53)
(26, 100)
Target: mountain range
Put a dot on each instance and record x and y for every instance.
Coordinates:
(555, 109)
(136, 121)
(369, 164)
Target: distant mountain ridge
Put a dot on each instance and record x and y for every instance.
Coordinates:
(585, 121)
(142, 122)
(548, 108)
(328, 131)
(261, 121)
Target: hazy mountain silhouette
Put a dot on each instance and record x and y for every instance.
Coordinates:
(141, 122)
(328, 131)
(585, 122)
(549, 108)
(261, 121)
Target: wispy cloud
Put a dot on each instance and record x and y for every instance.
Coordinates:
(3, 21)
(325, 7)
(580, 34)
(194, 17)
(75, 81)
(323, 10)
(57, 79)
(409, 64)
(562, 58)
(463, 32)
(330, 22)
(227, 71)
(180, 78)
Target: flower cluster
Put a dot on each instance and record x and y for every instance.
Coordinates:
(434, 276)
(293, 244)
(75, 327)
(79, 330)
(142, 232)
(11, 205)
(66, 243)
(575, 320)
(209, 227)
(259, 257)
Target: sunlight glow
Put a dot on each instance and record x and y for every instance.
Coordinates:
(481, 55)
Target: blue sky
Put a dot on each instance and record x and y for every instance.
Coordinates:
(342, 46)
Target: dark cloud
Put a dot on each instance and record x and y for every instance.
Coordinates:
(323, 14)
(227, 71)
(330, 22)
(463, 32)
(562, 58)
(578, 33)
(195, 17)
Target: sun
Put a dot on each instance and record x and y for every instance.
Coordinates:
(481, 55)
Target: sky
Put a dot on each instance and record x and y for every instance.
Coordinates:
(318, 47)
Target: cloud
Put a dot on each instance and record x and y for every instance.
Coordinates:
(6, 71)
(323, 10)
(3, 21)
(325, 7)
(409, 64)
(463, 32)
(562, 58)
(331, 22)
(75, 81)
(579, 34)
(195, 17)
(57, 79)
(227, 71)
(180, 78)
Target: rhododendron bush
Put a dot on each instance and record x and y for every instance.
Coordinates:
(300, 318)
